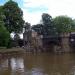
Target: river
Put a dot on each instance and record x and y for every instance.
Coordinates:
(37, 64)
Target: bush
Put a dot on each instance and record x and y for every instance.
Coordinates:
(4, 36)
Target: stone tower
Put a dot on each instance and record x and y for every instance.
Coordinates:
(27, 34)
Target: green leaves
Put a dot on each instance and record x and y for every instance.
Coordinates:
(63, 24)
(48, 26)
(14, 17)
(38, 28)
(4, 35)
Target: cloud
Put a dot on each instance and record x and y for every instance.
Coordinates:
(33, 9)
(32, 18)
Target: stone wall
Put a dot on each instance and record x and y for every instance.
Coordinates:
(65, 42)
(36, 43)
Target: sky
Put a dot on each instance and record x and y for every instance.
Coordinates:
(33, 9)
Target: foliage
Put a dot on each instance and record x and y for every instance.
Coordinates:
(38, 28)
(48, 26)
(73, 26)
(10, 43)
(1, 14)
(13, 17)
(63, 24)
(4, 34)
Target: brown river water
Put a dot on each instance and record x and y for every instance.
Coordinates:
(37, 64)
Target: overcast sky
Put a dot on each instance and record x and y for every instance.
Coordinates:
(33, 9)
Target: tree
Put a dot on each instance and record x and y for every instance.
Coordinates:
(73, 26)
(63, 24)
(48, 26)
(38, 28)
(4, 34)
(50, 36)
(13, 17)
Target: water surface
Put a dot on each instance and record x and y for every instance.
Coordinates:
(37, 64)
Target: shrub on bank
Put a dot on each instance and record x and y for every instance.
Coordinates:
(4, 36)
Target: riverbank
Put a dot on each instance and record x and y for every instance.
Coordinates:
(11, 50)
(24, 50)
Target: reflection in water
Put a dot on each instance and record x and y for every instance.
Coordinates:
(17, 66)
(40, 64)
(4, 65)
(37, 71)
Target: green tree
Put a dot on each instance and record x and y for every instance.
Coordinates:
(48, 26)
(1, 14)
(4, 34)
(13, 17)
(73, 26)
(63, 24)
(38, 28)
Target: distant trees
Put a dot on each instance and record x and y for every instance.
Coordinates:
(47, 27)
(63, 24)
(54, 26)
(73, 26)
(38, 28)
